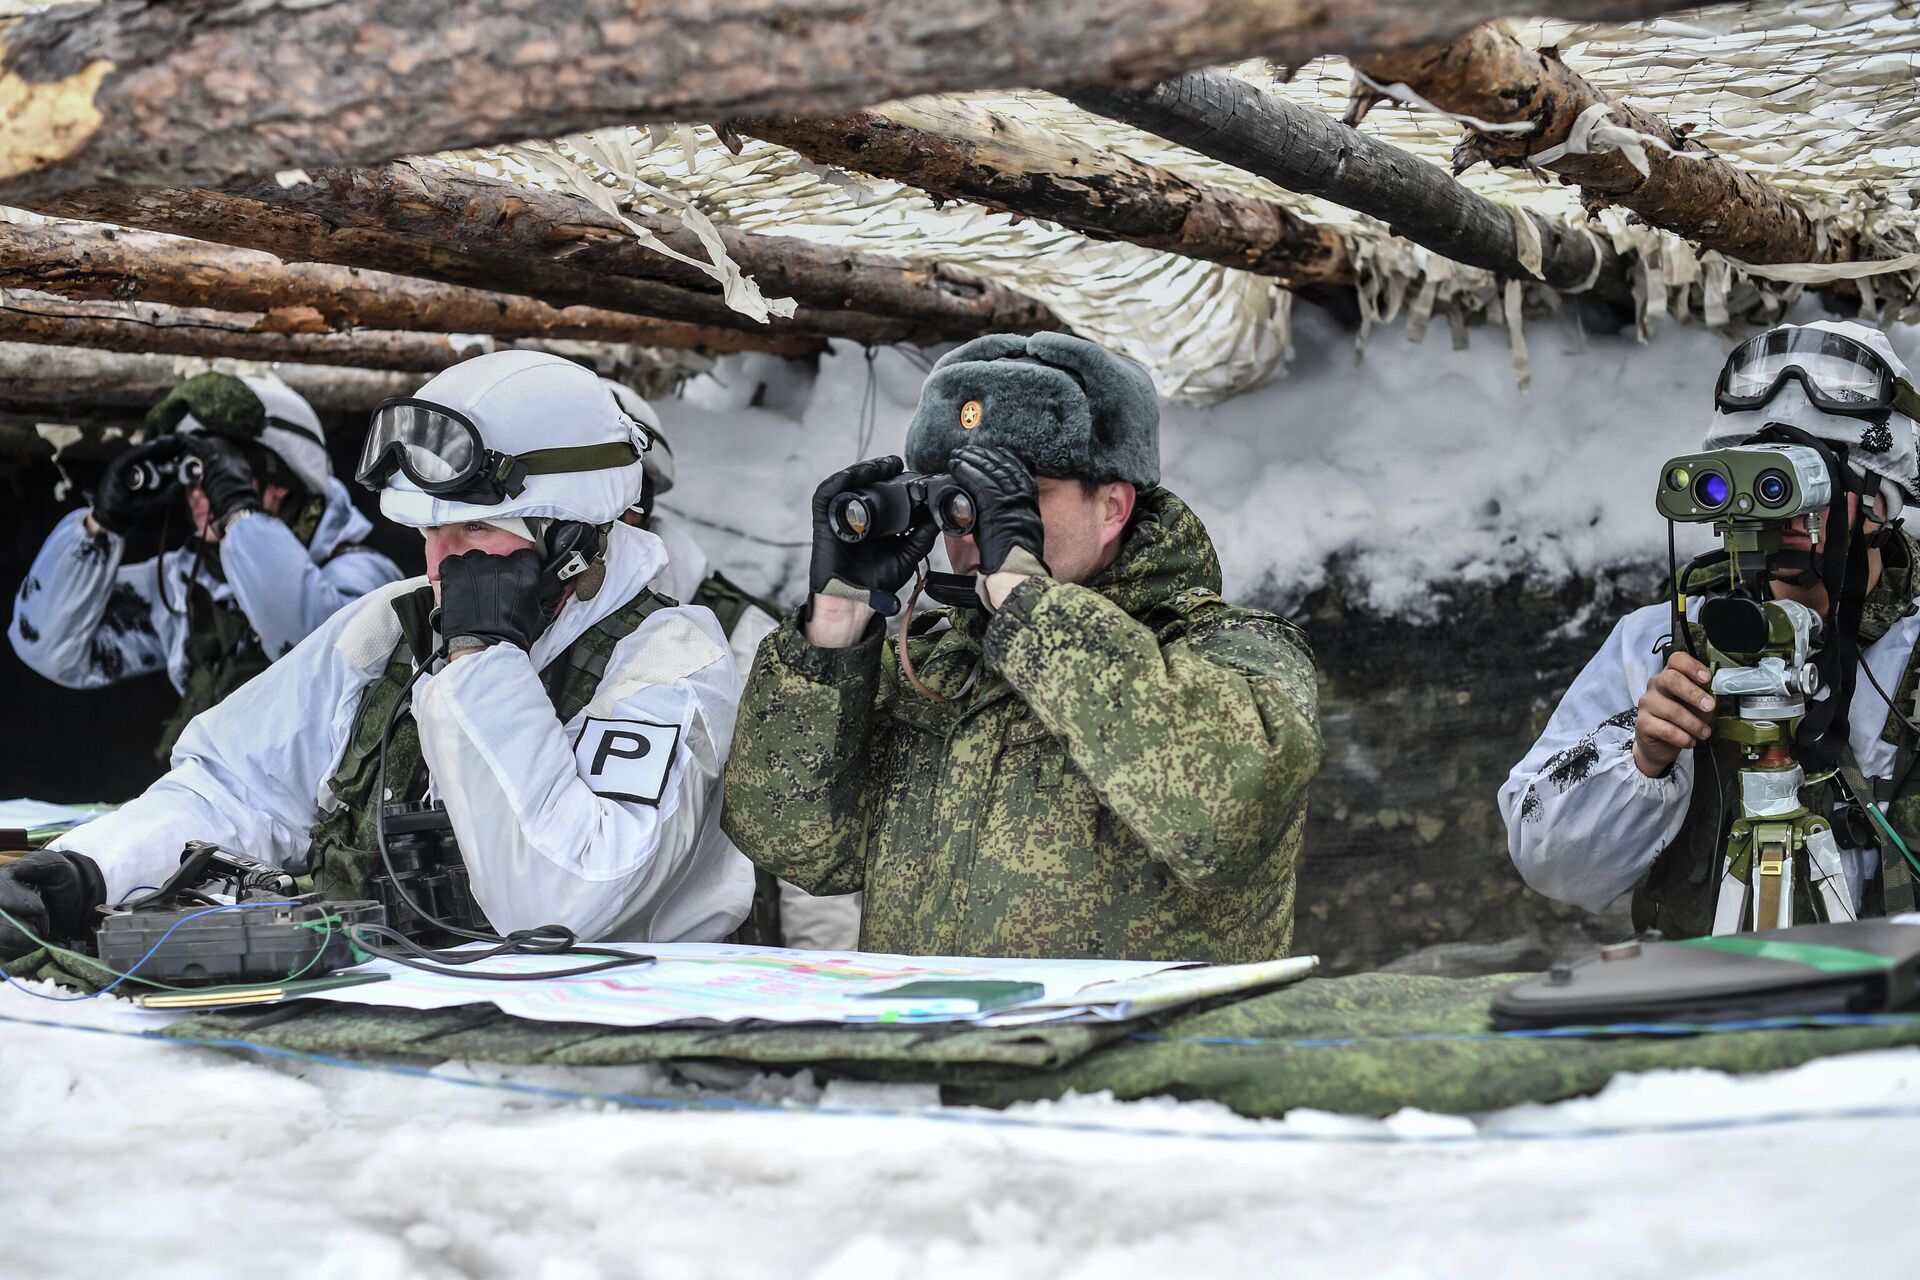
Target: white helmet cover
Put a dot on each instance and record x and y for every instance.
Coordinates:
(1889, 450)
(523, 401)
(303, 453)
(659, 459)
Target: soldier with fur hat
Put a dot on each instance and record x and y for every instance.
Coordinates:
(1091, 754)
(275, 551)
(1617, 797)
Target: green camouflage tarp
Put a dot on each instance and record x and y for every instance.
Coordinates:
(1338, 1044)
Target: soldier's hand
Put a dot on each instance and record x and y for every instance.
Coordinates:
(866, 574)
(124, 498)
(1006, 504)
(1675, 713)
(490, 599)
(226, 477)
(49, 895)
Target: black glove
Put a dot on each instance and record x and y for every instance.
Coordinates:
(225, 475)
(1006, 510)
(492, 598)
(55, 895)
(118, 506)
(870, 572)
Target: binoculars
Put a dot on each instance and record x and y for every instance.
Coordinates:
(151, 477)
(907, 501)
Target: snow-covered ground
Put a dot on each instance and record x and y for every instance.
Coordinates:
(1416, 465)
(126, 1156)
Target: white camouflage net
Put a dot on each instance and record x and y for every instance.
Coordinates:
(1822, 99)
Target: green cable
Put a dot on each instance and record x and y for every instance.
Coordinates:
(328, 921)
(1873, 811)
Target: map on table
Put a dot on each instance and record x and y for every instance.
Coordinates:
(710, 982)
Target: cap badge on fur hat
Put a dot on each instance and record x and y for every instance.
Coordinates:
(970, 415)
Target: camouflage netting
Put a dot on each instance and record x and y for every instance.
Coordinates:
(1816, 98)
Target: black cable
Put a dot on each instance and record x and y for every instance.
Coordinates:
(1680, 629)
(546, 939)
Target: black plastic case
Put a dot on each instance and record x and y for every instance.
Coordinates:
(259, 944)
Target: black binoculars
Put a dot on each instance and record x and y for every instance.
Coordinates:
(155, 476)
(907, 501)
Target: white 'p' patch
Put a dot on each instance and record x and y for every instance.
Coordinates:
(626, 759)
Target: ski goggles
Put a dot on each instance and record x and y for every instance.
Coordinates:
(1838, 374)
(441, 452)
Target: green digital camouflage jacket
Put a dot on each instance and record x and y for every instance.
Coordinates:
(1123, 771)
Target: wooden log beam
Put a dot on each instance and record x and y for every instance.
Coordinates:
(1488, 74)
(198, 92)
(97, 262)
(1300, 149)
(47, 381)
(960, 150)
(438, 223)
(47, 319)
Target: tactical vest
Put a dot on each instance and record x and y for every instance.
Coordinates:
(729, 601)
(222, 653)
(221, 649)
(1682, 889)
(345, 853)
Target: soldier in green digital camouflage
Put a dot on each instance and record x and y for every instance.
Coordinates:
(1113, 761)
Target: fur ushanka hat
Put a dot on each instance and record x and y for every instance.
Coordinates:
(1064, 406)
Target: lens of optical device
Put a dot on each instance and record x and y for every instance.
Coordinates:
(1711, 489)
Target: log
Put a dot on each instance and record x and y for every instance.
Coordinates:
(427, 220)
(199, 92)
(46, 319)
(103, 263)
(959, 150)
(1300, 149)
(47, 382)
(1488, 74)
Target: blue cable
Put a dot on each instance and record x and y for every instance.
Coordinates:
(135, 967)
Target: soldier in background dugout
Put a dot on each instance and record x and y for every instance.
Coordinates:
(275, 551)
(1116, 760)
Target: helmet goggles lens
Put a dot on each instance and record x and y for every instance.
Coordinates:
(1839, 374)
(436, 448)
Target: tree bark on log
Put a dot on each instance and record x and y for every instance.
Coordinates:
(47, 381)
(1488, 74)
(199, 331)
(961, 151)
(1304, 150)
(101, 263)
(198, 92)
(427, 220)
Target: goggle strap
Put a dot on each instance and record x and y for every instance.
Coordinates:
(1905, 399)
(580, 457)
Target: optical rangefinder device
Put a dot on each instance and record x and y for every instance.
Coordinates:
(1758, 483)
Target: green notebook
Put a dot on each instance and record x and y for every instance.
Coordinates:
(948, 997)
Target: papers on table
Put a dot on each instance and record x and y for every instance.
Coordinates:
(708, 983)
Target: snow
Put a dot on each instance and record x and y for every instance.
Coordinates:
(1415, 466)
(173, 1161)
